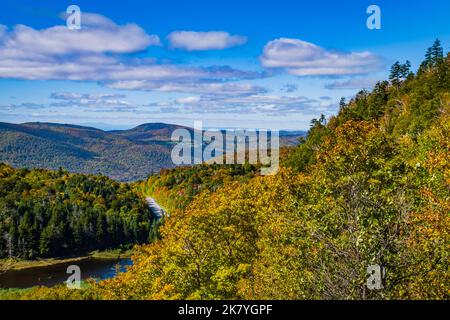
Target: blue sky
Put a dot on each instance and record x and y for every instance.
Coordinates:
(250, 64)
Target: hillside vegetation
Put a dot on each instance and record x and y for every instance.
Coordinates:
(174, 189)
(55, 213)
(369, 186)
(126, 155)
(123, 155)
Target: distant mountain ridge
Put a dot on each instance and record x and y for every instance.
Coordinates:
(120, 155)
(123, 155)
(149, 132)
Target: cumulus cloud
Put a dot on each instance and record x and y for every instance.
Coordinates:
(98, 35)
(101, 51)
(211, 40)
(302, 58)
(60, 53)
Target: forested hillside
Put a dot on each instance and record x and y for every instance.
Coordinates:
(176, 188)
(120, 155)
(54, 213)
(124, 155)
(369, 186)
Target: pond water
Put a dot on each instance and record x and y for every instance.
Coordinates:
(48, 276)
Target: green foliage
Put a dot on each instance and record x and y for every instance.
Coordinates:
(368, 187)
(54, 213)
(303, 155)
(175, 188)
(121, 155)
(371, 186)
(399, 73)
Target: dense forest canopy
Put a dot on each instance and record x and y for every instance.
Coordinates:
(368, 186)
(176, 188)
(55, 213)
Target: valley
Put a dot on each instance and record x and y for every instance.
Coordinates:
(122, 155)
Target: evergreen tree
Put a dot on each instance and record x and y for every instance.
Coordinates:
(435, 53)
(399, 73)
(433, 57)
(54, 213)
(342, 104)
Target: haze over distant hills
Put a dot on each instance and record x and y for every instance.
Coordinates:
(124, 155)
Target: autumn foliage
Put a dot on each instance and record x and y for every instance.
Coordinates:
(369, 186)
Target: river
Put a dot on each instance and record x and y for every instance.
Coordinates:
(99, 269)
(48, 276)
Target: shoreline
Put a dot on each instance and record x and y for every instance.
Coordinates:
(7, 265)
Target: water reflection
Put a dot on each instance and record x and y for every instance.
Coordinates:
(98, 269)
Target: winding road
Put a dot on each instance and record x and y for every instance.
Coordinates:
(157, 211)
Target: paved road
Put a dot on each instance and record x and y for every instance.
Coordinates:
(157, 211)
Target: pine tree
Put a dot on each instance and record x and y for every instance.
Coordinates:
(435, 53)
(394, 76)
(399, 73)
(342, 104)
(433, 57)
(405, 69)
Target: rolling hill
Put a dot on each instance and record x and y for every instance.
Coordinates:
(124, 155)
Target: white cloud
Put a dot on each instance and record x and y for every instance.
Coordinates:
(353, 84)
(100, 52)
(94, 20)
(98, 35)
(102, 68)
(272, 105)
(211, 40)
(89, 96)
(59, 53)
(188, 100)
(92, 101)
(302, 58)
(205, 88)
